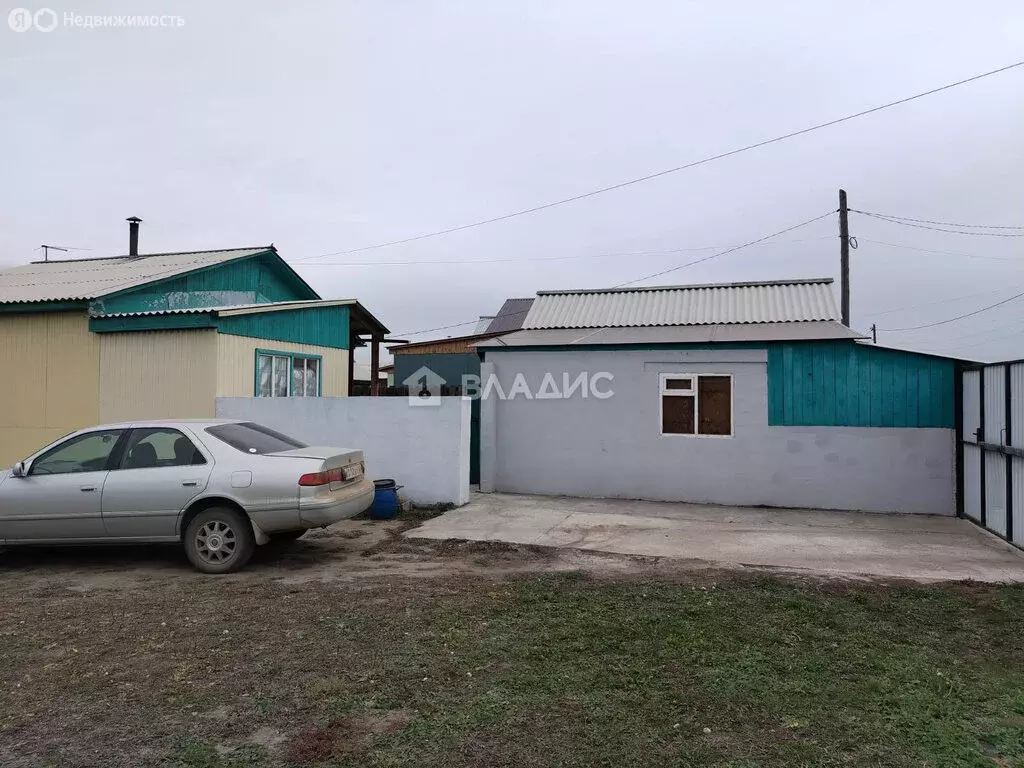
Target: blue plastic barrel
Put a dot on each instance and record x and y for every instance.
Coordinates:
(385, 500)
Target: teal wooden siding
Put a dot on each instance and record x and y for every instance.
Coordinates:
(843, 384)
(322, 326)
(253, 280)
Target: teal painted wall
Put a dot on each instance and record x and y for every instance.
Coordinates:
(323, 326)
(844, 384)
(253, 280)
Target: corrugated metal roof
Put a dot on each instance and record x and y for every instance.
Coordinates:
(511, 316)
(676, 334)
(770, 302)
(85, 279)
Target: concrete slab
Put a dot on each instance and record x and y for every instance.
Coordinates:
(922, 547)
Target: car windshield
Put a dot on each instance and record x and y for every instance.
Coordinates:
(254, 438)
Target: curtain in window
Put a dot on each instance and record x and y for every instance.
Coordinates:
(265, 373)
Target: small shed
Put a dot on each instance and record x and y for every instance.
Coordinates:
(740, 393)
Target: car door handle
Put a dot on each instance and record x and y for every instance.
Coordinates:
(88, 488)
(190, 483)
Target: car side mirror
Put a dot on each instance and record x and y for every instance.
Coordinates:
(18, 470)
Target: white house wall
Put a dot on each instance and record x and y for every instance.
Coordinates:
(613, 447)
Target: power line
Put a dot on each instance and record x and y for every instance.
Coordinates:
(958, 317)
(539, 258)
(656, 274)
(940, 301)
(728, 250)
(891, 220)
(975, 334)
(946, 253)
(942, 223)
(657, 174)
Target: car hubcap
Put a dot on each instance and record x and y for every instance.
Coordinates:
(215, 542)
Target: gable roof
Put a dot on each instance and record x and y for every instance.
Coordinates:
(781, 301)
(86, 279)
(510, 317)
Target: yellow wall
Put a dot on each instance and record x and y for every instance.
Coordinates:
(158, 375)
(236, 365)
(51, 382)
(60, 377)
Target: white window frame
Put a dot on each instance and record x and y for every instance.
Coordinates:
(290, 357)
(693, 392)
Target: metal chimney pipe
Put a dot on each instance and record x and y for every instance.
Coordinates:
(133, 235)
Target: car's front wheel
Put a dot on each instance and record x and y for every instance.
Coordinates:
(219, 540)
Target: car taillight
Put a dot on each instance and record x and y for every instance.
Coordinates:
(323, 478)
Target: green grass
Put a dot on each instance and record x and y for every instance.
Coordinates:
(559, 672)
(550, 671)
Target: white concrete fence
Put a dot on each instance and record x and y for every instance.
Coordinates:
(425, 449)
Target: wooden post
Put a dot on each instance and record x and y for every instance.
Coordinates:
(375, 365)
(844, 257)
(353, 342)
(874, 333)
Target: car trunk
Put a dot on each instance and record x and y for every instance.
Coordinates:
(349, 460)
(332, 458)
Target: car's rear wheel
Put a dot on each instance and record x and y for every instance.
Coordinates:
(219, 540)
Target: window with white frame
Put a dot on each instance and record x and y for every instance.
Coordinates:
(284, 375)
(696, 404)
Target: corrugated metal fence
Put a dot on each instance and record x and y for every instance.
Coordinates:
(992, 446)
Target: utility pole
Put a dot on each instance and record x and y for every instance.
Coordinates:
(844, 257)
(874, 333)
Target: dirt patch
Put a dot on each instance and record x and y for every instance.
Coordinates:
(344, 736)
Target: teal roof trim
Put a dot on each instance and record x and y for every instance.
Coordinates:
(123, 324)
(41, 306)
(252, 279)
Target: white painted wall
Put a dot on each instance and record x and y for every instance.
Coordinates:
(424, 448)
(614, 448)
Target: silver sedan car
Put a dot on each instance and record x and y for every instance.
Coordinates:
(218, 487)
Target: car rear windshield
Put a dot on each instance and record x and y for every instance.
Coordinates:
(254, 438)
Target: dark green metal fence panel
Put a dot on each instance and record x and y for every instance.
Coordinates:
(841, 383)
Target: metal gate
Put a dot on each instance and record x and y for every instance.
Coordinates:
(991, 459)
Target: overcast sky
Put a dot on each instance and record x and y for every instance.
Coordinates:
(328, 126)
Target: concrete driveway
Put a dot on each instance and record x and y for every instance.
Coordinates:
(922, 547)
